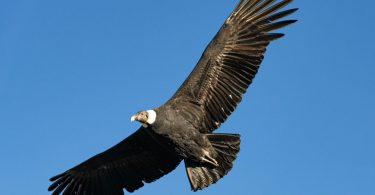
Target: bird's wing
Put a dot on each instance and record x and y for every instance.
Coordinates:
(229, 63)
(141, 158)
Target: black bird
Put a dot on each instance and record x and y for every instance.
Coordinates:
(181, 129)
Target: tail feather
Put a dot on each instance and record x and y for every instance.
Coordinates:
(201, 176)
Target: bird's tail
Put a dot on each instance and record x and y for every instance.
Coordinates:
(227, 146)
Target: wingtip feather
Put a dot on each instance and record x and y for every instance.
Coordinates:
(54, 178)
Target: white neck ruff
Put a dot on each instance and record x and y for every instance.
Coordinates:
(151, 117)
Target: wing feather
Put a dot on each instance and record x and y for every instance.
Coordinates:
(140, 158)
(230, 62)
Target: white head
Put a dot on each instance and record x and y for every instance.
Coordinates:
(147, 117)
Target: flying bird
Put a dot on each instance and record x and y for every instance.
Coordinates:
(182, 128)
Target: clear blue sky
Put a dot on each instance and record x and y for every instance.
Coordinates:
(73, 72)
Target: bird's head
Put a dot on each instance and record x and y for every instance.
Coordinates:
(147, 117)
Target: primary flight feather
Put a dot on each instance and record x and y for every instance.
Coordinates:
(181, 129)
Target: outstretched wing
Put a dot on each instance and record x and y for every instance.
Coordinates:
(142, 157)
(228, 65)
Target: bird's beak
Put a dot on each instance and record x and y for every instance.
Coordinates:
(132, 119)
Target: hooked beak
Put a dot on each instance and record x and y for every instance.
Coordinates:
(132, 119)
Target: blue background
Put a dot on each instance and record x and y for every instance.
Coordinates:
(73, 72)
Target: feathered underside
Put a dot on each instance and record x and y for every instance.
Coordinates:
(229, 64)
(141, 158)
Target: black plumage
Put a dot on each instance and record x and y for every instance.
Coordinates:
(137, 159)
(181, 129)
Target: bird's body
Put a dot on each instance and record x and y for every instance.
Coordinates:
(182, 128)
(189, 143)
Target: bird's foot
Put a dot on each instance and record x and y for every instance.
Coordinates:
(209, 160)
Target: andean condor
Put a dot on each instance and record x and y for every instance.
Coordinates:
(181, 129)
